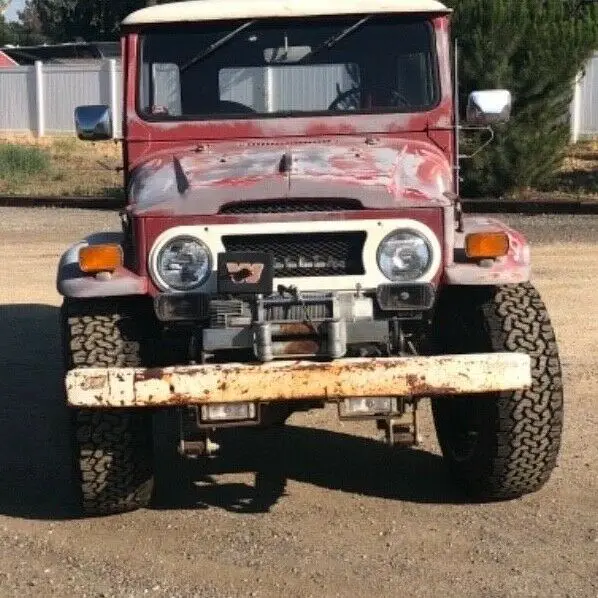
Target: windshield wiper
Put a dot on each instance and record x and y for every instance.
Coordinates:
(216, 45)
(332, 41)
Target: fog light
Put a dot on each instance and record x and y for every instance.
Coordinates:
(405, 297)
(223, 412)
(367, 407)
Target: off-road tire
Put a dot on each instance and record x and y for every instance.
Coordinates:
(505, 445)
(112, 449)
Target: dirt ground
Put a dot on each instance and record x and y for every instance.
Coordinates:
(347, 517)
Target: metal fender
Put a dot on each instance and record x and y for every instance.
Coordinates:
(513, 268)
(73, 283)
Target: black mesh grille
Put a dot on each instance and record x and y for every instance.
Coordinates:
(286, 206)
(306, 254)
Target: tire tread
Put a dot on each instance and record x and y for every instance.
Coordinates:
(112, 449)
(523, 432)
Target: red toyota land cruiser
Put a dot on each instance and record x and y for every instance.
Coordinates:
(293, 237)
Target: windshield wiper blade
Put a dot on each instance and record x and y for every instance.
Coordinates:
(217, 45)
(332, 41)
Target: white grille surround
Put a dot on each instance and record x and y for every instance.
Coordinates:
(376, 231)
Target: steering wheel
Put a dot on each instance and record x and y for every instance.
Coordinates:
(349, 99)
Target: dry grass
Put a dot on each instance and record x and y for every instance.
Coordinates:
(83, 168)
(74, 168)
(576, 180)
(579, 173)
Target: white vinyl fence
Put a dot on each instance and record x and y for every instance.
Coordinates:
(584, 109)
(41, 99)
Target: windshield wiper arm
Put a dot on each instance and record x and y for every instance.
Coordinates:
(332, 41)
(217, 45)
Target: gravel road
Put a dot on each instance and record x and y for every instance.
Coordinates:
(322, 510)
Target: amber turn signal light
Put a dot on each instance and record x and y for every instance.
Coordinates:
(100, 258)
(481, 246)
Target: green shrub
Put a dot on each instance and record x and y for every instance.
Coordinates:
(22, 161)
(535, 48)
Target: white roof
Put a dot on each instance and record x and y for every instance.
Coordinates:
(213, 10)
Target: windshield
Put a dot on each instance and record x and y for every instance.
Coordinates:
(288, 67)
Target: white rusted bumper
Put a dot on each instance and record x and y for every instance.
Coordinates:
(298, 380)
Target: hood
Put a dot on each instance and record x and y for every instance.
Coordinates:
(200, 182)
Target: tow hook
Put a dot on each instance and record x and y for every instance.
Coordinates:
(193, 449)
(402, 432)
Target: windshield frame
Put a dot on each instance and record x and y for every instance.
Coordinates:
(436, 79)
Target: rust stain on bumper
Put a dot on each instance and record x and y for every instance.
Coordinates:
(293, 329)
(298, 380)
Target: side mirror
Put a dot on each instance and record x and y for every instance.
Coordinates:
(489, 107)
(93, 123)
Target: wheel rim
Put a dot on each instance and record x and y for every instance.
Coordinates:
(463, 433)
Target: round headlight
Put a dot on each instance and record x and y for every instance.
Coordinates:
(404, 255)
(184, 263)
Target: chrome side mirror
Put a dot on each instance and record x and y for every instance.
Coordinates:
(93, 123)
(489, 107)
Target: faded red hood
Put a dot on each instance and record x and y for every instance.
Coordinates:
(411, 173)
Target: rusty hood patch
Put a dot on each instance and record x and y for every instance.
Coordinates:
(379, 176)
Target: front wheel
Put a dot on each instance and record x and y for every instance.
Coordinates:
(505, 445)
(113, 460)
(112, 449)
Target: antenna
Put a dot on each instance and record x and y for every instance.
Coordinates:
(456, 116)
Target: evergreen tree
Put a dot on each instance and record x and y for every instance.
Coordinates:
(6, 33)
(534, 48)
(29, 29)
(67, 20)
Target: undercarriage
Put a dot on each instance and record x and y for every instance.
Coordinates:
(254, 360)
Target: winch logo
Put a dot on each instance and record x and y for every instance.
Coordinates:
(245, 273)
